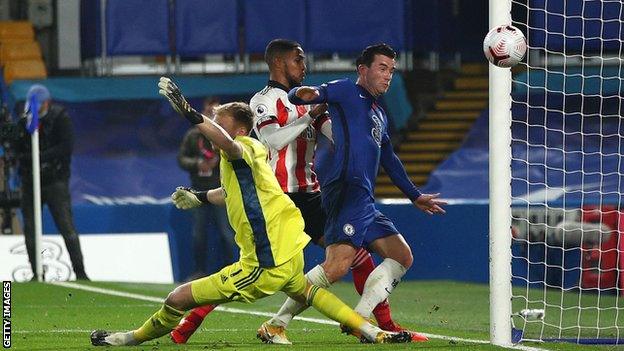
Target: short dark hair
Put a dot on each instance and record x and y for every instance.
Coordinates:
(278, 47)
(240, 111)
(368, 55)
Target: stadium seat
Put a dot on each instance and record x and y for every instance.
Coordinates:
(19, 51)
(16, 30)
(27, 69)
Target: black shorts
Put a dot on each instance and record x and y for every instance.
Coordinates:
(313, 215)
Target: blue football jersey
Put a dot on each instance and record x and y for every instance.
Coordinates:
(360, 139)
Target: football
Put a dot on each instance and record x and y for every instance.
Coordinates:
(504, 46)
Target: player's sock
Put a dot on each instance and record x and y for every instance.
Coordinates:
(361, 268)
(363, 265)
(379, 285)
(291, 308)
(382, 314)
(121, 339)
(189, 324)
(198, 314)
(159, 324)
(332, 307)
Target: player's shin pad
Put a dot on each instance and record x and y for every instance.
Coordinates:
(159, 324)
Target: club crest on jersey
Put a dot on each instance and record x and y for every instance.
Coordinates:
(348, 229)
(376, 130)
(261, 110)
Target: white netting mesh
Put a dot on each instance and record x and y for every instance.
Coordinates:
(567, 167)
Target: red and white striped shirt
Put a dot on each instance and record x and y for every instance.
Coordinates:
(289, 133)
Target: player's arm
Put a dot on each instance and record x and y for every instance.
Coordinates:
(393, 166)
(187, 198)
(206, 126)
(324, 126)
(268, 129)
(331, 92)
(221, 139)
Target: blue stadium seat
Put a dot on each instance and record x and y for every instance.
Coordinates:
(206, 27)
(347, 26)
(266, 20)
(137, 27)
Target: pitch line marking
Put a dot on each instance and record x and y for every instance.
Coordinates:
(265, 314)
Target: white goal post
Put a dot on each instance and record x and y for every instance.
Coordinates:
(500, 188)
(556, 174)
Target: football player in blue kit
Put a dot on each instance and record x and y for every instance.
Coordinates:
(347, 167)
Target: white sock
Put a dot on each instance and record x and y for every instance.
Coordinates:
(121, 339)
(291, 308)
(370, 331)
(380, 283)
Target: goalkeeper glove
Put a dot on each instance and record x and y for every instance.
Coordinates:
(184, 198)
(170, 90)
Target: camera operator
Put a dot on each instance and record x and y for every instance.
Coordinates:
(56, 139)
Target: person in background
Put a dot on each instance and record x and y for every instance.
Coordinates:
(198, 158)
(56, 141)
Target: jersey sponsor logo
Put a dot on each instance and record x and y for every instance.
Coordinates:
(348, 229)
(261, 110)
(377, 129)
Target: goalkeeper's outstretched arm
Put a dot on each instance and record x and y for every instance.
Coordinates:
(221, 139)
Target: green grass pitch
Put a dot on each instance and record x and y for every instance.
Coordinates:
(51, 317)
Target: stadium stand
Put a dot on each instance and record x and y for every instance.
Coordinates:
(16, 31)
(20, 54)
(17, 51)
(442, 129)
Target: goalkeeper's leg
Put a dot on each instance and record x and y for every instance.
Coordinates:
(211, 290)
(159, 324)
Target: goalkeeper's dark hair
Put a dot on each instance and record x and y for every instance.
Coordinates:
(278, 47)
(368, 55)
(240, 111)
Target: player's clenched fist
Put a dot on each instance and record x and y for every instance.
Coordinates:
(184, 199)
(168, 89)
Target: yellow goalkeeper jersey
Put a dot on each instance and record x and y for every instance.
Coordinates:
(268, 225)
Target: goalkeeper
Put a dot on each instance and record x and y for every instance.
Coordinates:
(269, 233)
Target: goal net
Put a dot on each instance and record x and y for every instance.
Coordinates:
(567, 168)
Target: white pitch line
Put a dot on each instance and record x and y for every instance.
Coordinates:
(266, 314)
